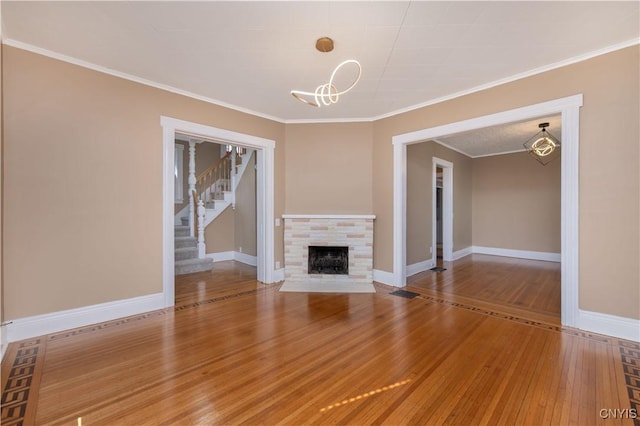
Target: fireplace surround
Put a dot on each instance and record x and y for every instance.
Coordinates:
(352, 233)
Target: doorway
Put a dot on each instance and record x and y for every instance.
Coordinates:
(569, 108)
(264, 195)
(442, 211)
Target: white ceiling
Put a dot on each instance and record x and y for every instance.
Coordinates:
(502, 139)
(250, 55)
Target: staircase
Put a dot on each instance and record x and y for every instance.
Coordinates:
(216, 188)
(186, 253)
(217, 185)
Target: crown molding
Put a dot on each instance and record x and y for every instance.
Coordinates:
(573, 60)
(79, 62)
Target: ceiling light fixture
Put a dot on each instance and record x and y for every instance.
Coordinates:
(543, 146)
(327, 94)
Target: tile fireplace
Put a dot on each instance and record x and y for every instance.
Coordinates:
(328, 248)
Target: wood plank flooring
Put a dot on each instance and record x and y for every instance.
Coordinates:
(234, 351)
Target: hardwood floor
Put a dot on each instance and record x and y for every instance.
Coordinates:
(518, 286)
(234, 351)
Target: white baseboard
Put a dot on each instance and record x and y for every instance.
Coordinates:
(384, 277)
(247, 259)
(26, 328)
(220, 256)
(3, 341)
(611, 325)
(522, 254)
(278, 275)
(459, 254)
(233, 255)
(416, 268)
(184, 212)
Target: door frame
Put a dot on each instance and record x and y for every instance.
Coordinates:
(265, 150)
(569, 108)
(447, 210)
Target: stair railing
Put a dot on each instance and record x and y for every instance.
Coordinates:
(214, 180)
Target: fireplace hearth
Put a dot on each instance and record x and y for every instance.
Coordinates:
(329, 260)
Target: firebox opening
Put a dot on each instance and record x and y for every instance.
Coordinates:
(328, 260)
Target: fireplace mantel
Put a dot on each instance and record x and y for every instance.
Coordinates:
(328, 216)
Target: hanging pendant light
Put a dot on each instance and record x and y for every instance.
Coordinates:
(543, 146)
(327, 93)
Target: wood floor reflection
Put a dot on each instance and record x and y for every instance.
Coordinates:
(234, 351)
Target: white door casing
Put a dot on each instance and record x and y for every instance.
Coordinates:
(265, 149)
(569, 108)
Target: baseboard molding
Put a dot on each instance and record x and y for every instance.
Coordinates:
(278, 275)
(247, 259)
(522, 254)
(611, 325)
(384, 277)
(3, 341)
(459, 254)
(416, 268)
(233, 255)
(184, 212)
(26, 328)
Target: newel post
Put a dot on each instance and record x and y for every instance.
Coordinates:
(234, 153)
(192, 185)
(201, 213)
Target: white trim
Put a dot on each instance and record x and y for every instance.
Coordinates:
(264, 194)
(38, 325)
(221, 256)
(84, 64)
(384, 277)
(182, 213)
(576, 59)
(416, 268)
(459, 254)
(3, 341)
(510, 79)
(610, 325)
(247, 259)
(569, 107)
(439, 142)
(278, 275)
(522, 254)
(447, 208)
(328, 216)
(178, 186)
(399, 278)
(493, 154)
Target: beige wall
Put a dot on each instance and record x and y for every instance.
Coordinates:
(328, 168)
(87, 135)
(219, 236)
(516, 203)
(83, 223)
(609, 162)
(419, 199)
(245, 212)
(236, 229)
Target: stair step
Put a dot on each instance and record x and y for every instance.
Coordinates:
(184, 221)
(186, 253)
(189, 266)
(182, 231)
(182, 242)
